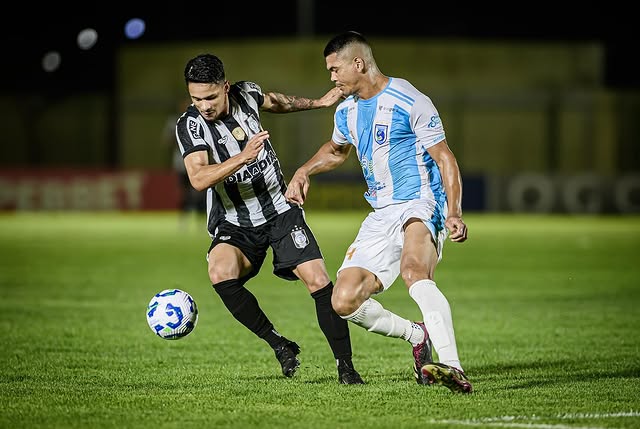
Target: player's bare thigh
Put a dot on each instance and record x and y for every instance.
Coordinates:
(419, 253)
(227, 262)
(353, 287)
(313, 274)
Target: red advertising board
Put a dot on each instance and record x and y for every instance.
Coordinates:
(90, 189)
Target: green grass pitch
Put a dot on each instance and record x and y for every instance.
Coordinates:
(546, 312)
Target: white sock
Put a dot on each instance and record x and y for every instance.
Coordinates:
(437, 318)
(374, 318)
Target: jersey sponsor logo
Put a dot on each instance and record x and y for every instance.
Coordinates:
(195, 129)
(367, 171)
(387, 109)
(238, 134)
(374, 187)
(381, 133)
(254, 169)
(367, 167)
(299, 237)
(434, 122)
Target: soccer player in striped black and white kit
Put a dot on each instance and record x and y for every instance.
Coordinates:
(227, 153)
(415, 190)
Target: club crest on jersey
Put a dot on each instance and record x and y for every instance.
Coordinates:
(300, 238)
(238, 134)
(253, 124)
(381, 133)
(223, 140)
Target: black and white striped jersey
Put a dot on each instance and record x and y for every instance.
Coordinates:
(254, 194)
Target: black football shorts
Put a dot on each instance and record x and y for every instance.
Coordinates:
(287, 234)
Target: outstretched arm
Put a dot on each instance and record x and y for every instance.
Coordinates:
(328, 157)
(275, 102)
(453, 187)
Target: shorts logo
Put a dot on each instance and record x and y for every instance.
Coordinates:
(350, 253)
(224, 237)
(381, 133)
(300, 238)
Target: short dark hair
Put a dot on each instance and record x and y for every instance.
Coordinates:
(205, 68)
(341, 40)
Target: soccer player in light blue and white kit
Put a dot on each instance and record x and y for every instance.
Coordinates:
(415, 190)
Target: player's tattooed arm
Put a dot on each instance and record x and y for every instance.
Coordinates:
(280, 103)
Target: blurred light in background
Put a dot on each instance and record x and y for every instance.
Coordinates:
(134, 28)
(51, 61)
(87, 38)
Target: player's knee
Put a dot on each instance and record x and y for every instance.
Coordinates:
(316, 283)
(409, 276)
(218, 275)
(343, 302)
(412, 273)
(313, 274)
(340, 307)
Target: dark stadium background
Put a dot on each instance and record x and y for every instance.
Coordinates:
(27, 33)
(81, 115)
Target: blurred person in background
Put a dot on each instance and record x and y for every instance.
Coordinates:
(192, 201)
(227, 152)
(415, 190)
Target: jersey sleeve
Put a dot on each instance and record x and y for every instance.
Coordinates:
(426, 123)
(253, 90)
(340, 133)
(190, 135)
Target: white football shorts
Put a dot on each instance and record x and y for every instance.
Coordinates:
(378, 246)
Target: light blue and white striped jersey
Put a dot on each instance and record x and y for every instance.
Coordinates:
(391, 133)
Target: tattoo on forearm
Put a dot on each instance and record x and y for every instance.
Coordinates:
(290, 103)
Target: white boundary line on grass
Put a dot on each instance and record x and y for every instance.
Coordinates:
(510, 425)
(510, 421)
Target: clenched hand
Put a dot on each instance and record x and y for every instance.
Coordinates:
(254, 146)
(457, 229)
(297, 188)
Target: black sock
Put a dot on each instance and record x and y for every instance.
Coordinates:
(335, 328)
(244, 306)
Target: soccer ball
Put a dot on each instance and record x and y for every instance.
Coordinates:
(172, 314)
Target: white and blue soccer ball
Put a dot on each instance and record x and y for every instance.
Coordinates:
(172, 314)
